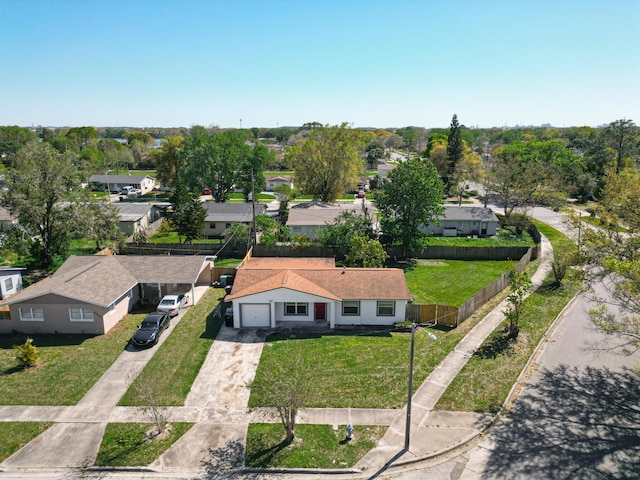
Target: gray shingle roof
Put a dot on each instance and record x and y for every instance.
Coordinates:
(232, 212)
(453, 212)
(118, 178)
(101, 280)
(130, 212)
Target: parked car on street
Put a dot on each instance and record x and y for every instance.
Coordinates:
(172, 304)
(360, 194)
(206, 191)
(125, 190)
(134, 193)
(150, 329)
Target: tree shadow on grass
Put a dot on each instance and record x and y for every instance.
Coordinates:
(262, 458)
(227, 462)
(571, 422)
(500, 343)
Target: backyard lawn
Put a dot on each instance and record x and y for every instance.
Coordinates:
(451, 282)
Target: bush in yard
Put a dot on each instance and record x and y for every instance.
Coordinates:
(27, 354)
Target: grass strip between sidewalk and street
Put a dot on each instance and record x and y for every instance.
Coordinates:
(485, 381)
(315, 446)
(15, 435)
(175, 365)
(129, 445)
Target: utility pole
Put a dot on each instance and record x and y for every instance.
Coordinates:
(254, 234)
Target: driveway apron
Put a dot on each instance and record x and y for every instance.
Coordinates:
(221, 390)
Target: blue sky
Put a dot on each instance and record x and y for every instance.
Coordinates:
(369, 63)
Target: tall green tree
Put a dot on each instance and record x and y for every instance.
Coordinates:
(255, 163)
(328, 162)
(98, 220)
(214, 161)
(615, 257)
(365, 252)
(36, 189)
(623, 136)
(12, 139)
(338, 234)
(411, 198)
(455, 152)
(168, 160)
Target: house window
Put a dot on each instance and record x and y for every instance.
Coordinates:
(212, 226)
(8, 284)
(386, 308)
(350, 307)
(295, 308)
(80, 315)
(32, 314)
(227, 225)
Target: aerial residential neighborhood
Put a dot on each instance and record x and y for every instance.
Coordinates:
(291, 240)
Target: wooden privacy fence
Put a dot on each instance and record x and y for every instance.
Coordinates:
(217, 271)
(430, 313)
(487, 293)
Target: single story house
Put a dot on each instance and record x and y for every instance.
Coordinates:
(305, 218)
(10, 281)
(273, 292)
(383, 171)
(275, 182)
(135, 216)
(6, 219)
(115, 182)
(463, 221)
(221, 216)
(91, 294)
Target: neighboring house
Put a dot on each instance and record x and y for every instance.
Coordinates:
(383, 171)
(91, 294)
(10, 281)
(274, 292)
(135, 216)
(221, 216)
(115, 182)
(306, 218)
(6, 219)
(275, 182)
(462, 221)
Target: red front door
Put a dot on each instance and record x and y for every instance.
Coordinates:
(321, 311)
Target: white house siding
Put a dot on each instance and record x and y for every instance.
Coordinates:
(276, 300)
(369, 314)
(10, 284)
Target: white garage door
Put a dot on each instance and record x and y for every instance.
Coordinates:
(255, 315)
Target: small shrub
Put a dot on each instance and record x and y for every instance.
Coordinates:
(27, 354)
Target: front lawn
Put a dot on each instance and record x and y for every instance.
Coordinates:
(450, 282)
(359, 369)
(128, 445)
(177, 362)
(315, 446)
(68, 368)
(15, 435)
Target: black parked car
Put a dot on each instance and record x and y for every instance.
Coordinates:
(150, 329)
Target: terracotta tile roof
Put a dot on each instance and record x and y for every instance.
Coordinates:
(333, 283)
(296, 263)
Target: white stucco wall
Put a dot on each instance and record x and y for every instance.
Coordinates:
(278, 297)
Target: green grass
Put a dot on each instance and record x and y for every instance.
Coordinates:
(15, 435)
(315, 446)
(486, 379)
(175, 365)
(260, 197)
(600, 224)
(227, 262)
(451, 282)
(127, 445)
(172, 237)
(503, 238)
(360, 370)
(68, 368)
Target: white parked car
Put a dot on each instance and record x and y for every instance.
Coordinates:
(126, 190)
(172, 304)
(134, 193)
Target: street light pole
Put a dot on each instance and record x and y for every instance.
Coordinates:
(407, 430)
(108, 187)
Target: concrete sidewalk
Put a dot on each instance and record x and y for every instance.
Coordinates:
(217, 404)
